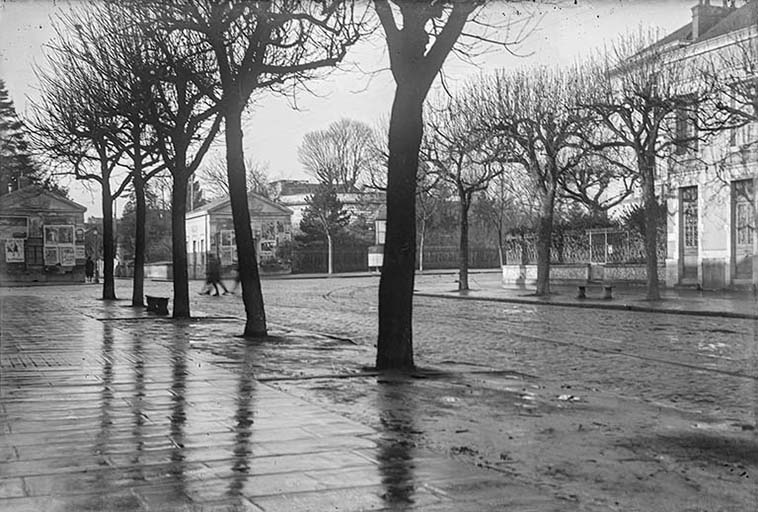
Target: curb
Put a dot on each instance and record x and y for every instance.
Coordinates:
(596, 305)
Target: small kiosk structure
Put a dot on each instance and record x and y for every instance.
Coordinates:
(42, 238)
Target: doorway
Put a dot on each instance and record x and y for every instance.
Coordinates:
(743, 229)
(689, 234)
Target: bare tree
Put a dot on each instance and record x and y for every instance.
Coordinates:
(457, 147)
(597, 182)
(535, 114)
(114, 51)
(431, 193)
(185, 122)
(649, 107)
(341, 155)
(506, 204)
(255, 47)
(215, 178)
(419, 36)
(74, 127)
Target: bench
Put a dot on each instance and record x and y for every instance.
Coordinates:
(157, 305)
(607, 291)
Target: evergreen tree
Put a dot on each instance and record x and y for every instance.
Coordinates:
(17, 169)
(324, 219)
(15, 162)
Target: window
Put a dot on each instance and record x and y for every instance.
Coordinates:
(686, 127)
(689, 216)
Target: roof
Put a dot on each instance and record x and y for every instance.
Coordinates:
(220, 204)
(34, 197)
(742, 17)
(738, 19)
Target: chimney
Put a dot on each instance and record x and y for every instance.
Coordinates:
(705, 16)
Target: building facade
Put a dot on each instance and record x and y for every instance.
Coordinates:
(210, 230)
(42, 235)
(710, 196)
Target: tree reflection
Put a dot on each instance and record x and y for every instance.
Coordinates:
(178, 405)
(243, 429)
(397, 409)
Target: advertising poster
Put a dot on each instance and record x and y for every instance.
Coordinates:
(67, 256)
(80, 252)
(227, 255)
(51, 236)
(51, 256)
(13, 227)
(79, 235)
(14, 250)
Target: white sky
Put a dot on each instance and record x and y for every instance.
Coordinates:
(273, 131)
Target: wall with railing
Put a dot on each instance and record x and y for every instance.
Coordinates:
(598, 246)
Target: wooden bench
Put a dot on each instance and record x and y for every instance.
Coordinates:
(157, 305)
(607, 291)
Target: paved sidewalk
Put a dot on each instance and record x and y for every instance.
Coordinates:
(107, 409)
(488, 286)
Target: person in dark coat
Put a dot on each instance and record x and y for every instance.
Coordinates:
(89, 269)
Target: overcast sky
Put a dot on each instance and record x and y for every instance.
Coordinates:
(564, 32)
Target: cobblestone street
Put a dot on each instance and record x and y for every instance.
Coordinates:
(532, 407)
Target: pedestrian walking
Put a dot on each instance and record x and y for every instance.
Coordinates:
(213, 277)
(89, 269)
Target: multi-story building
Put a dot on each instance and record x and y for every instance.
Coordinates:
(710, 194)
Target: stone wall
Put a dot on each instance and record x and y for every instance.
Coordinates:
(526, 275)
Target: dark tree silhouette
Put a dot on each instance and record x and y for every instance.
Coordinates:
(418, 45)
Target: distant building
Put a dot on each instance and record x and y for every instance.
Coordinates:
(295, 193)
(210, 229)
(42, 236)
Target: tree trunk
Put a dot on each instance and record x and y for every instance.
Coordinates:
(330, 253)
(395, 340)
(500, 256)
(421, 245)
(138, 280)
(544, 237)
(109, 284)
(651, 225)
(252, 295)
(463, 253)
(179, 243)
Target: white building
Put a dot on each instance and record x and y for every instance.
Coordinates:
(711, 197)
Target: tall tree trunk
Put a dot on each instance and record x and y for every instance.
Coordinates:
(252, 295)
(651, 225)
(179, 241)
(330, 253)
(109, 284)
(463, 253)
(421, 245)
(500, 256)
(395, 340)
(544, 237)
(138, 280)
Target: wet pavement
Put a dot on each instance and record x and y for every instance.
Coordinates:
(517, 406)
(103, 407)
